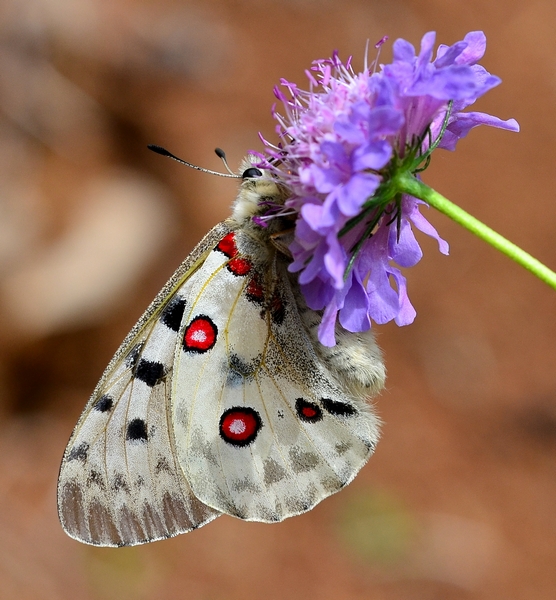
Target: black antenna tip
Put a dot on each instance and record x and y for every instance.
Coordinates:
(164, 152)
(220, 153)
(159, 149)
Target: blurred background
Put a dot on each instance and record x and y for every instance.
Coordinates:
(459, 501)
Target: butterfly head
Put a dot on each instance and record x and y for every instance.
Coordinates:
(261, 196)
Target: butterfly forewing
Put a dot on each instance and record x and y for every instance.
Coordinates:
(119, 482)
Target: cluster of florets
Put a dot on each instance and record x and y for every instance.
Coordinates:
(342, 145)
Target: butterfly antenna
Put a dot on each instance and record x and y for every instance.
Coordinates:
(164, 152)
(222, 155)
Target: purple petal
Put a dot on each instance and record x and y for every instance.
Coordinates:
(467, 121)
(336, 154)
(354, 194)
(422, 224)
(406, 313)
(349, 132)
(314, 266)
(451, 83)
(425, 54)
(327, 326)
(476, 47)
(306, 235)
(324, 180)
(403, 247)
(383, 300)
(372, 156)
(447, 55)
(334, 260)
(318, 294)
(403, 51)
(385, 121)
(317, 217)
(354, 316)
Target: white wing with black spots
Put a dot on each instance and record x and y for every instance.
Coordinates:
(119, 482)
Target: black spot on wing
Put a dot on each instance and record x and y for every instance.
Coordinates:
(136, 431)
(104, 403)
(338, 409)
(173, 313)
(342, 447)
(149, 372)
(79, 452)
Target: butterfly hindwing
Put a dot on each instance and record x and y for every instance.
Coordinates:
(119, 482)
(262, 432)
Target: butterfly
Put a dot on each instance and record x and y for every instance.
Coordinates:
(221, 400)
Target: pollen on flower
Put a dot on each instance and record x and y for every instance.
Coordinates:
(343, 146)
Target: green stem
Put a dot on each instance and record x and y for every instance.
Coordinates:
(410, 185)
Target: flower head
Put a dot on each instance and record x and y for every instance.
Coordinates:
(345, 146)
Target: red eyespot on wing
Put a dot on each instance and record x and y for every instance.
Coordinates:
(239, 266)
(240, 425)
(255, 291)
(200, 335)
(227, 245)
(308, 411)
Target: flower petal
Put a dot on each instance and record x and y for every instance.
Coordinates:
(355, 192)
(422, 224)
(354, 315)
(466, 121)
(403, 247)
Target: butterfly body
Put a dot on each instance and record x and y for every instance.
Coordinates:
(221, 399)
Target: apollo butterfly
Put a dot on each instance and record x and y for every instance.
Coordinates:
(221, 400)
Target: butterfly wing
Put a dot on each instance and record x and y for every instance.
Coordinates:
(216, 402)
(262, 429)
(120, 483)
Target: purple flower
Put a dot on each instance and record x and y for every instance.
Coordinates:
(343, 147)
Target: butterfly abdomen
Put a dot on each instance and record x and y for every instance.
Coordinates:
(355, 361)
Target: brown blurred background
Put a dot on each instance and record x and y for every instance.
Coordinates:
(459, 501)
